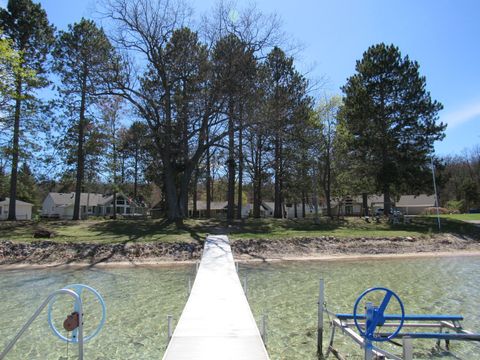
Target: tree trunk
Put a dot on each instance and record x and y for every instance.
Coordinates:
(303, 204)
(135, 176)
(295, 210)
(114, 207)
(365, 204)
(277, 212)
(257, 180)
(231, 165)
(114, 148)
(173, 208)
(195, 194)
(328, 184)
(386, 200)
(208, 184)
(12, 214)
(240, 170)
(80, 153)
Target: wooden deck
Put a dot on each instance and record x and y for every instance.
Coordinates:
(217, 322)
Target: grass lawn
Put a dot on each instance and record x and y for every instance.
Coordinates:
(122, 231)
(463, 217)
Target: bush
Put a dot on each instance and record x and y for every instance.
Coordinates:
(455, 206)
(433, 211)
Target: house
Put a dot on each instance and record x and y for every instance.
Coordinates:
(60, 205)
(415, 204)
(23, 210)
(407, 204)
(218, 209)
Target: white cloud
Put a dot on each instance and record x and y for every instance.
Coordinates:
(462, 115)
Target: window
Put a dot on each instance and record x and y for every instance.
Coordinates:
(109, 209)
(120, 202)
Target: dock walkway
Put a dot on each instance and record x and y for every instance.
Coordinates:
(217, 322)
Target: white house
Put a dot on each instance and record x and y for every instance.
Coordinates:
(23, 210)
(60, 205)
(407, 204)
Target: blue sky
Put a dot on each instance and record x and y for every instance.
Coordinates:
(442, 35)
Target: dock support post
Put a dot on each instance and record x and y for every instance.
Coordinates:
(407, 348)
(321, 301)
(169, 328)
(245, 285)
(264, 329)
(236, 266)
(197, 265)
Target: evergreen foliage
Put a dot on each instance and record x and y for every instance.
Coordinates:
(393, 121)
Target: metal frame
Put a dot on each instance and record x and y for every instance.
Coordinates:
(345, 323)
(78, 302)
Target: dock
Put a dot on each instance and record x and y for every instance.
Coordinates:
(217, 322)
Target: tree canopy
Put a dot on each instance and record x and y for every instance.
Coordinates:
(392, 119)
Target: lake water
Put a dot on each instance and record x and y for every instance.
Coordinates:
(140, 299)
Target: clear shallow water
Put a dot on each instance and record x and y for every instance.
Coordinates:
(288, 294)
(139, 300)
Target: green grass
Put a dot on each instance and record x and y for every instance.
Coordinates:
(123, 231)
(106, 231)
(348, 227)
(463, 217)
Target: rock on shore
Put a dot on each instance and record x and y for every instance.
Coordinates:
(45, 252)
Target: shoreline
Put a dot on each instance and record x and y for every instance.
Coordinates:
(161, 263)
(50, 254)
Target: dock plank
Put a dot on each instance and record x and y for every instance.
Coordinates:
(217, 322)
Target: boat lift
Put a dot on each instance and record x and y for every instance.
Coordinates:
(73, 323)
(368, 328)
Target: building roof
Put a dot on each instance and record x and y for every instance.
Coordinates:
(405, 200)
(93, 199)
(17, 202)
(416, 200)
(214, 205)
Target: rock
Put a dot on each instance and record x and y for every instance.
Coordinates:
(43, 233)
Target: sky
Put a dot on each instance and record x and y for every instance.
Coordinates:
(441, 35)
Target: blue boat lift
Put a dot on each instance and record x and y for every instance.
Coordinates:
(369, 326)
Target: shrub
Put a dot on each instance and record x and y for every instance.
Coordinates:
(433, 211)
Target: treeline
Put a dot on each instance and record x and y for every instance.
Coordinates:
(216, 112)
(460, 181)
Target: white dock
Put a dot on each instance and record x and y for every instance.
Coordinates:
(217, 322)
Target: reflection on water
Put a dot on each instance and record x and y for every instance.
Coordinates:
(140, 299)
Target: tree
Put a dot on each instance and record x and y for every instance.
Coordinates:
(10, 69)
(326, 120)
(111, 111)
(27, 26)
(27, 185)
(235, 65)
(171, 92)
(134, 145)
(285, 96)
(84, 60)
(392, 119)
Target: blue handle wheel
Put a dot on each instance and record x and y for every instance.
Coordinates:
(376, 316)
(78, 288)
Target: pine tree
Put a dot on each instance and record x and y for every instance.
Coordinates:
(27, 26)
(392, 119)
(85, 61)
